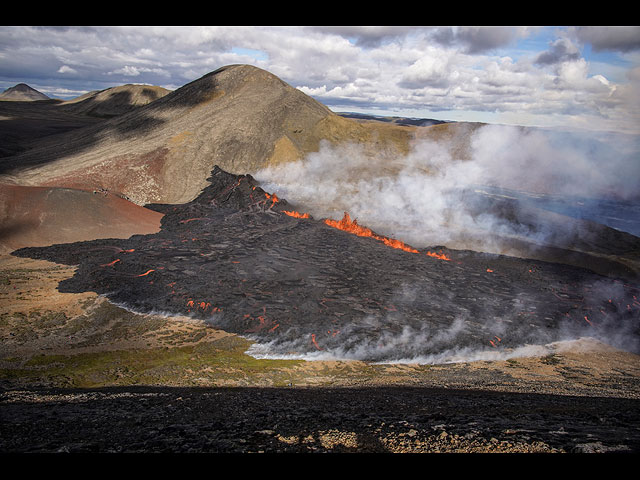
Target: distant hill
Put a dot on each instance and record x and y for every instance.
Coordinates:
(420, 122)
(114, 101)
(22, 93)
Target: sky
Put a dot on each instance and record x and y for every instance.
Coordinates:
(568, 77)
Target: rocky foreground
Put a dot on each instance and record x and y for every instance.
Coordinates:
(79, 374)
(355, 419)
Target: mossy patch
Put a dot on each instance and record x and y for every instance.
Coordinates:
(214, 363)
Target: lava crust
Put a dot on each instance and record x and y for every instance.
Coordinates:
(238, 258)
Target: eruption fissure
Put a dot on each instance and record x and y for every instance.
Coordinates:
(352, 226)
(296, 214)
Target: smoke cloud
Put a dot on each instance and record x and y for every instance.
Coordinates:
(436, 196)
(393, 337)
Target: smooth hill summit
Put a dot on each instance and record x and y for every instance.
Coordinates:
(114, 101)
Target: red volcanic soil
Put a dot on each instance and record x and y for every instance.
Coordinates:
(39, 216)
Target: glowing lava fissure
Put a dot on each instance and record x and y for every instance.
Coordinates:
(350, 226)
(296, 214)
(293, 284)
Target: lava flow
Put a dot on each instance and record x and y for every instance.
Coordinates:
(440, 255)
(352, 227)
(296, 214)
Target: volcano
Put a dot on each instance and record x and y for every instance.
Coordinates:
(246, 261)
(175, 171)
(148, 145)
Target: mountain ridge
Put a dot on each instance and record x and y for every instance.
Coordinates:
(239, 117)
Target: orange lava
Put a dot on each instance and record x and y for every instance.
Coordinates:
(352, 227)
(146, 273)
(110, 264)
(296, 214)
(274, 198)
(313, 339)
(441, 256)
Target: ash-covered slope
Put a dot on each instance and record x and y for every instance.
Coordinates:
(39, 216)
(239, 117)
(239, 258)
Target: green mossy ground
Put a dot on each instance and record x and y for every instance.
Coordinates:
(211, 363)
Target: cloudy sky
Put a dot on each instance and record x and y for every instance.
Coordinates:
(583, 77)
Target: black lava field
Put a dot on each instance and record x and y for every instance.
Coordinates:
(237, 258)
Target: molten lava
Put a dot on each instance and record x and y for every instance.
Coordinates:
(110, 264)
(315, 343)
(274, 198)
(296, 214)
(441, 256)
(352, 227)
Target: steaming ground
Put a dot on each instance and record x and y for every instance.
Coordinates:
(300, 288)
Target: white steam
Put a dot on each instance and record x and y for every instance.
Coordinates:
(454, 355)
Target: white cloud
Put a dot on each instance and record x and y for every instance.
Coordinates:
(133, 71)
(413, 70)
(128, 71)
(433, 69)
(66, 69)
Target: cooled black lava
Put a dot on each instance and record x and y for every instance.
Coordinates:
(234, 257)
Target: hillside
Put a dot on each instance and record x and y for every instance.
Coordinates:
(114, 101)
(239, 117)
(42, 215)
(26, 122)
(22, 93)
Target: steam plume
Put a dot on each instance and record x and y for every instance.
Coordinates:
(435, 196)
